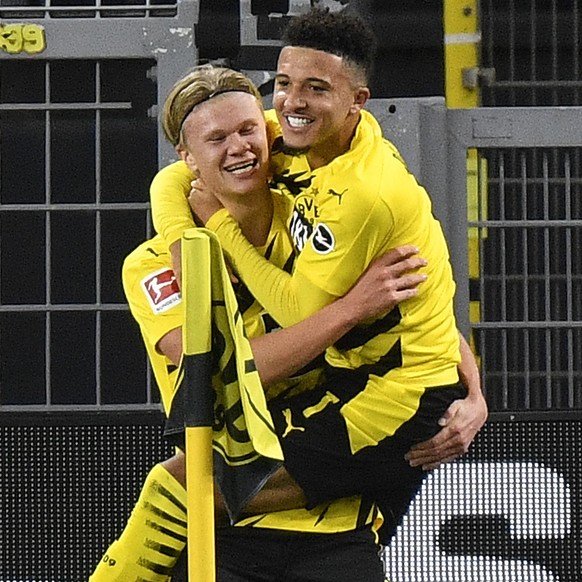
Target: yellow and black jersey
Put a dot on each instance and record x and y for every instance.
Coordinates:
(169, 190)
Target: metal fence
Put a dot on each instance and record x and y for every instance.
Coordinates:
(526, 215)
(534, 49)
(529, 287)
(79, 145)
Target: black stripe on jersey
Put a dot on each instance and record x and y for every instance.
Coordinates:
(168, 517)
(322, 514)
(345, 383)
(269, 250)
(245, 299)
(288, 266)
(363, 512)
(164, 492)
(162, 548)
(156, 568)
(291, 182)
(269, 323)
(164, 530)
(150, 250)
(243, 296)
(360, 335)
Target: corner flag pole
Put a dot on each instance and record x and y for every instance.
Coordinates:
(197, 346)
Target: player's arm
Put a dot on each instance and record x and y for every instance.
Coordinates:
(288, 298)
(388, 281)
(279, 354)
(461, 422)
(171, 213)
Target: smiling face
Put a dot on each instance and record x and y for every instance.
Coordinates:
(225, 141)
(318, 98)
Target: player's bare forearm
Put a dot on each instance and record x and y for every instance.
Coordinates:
(461, 422)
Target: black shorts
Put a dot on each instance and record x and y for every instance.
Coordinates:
(250, 554)
(319, 458)
(264, 555)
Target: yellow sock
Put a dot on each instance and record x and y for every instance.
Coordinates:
(154, 535)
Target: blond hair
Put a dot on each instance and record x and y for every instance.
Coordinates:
(199, 85)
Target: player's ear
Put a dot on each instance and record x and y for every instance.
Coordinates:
(361, 96)
(182, 152)
(187, 157)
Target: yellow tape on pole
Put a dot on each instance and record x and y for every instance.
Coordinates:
(461, 51)
(196, 290)
(462, 41)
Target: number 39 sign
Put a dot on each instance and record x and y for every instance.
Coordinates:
(18, 38)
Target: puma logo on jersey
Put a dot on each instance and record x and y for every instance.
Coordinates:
(287, 414)
(339, 195)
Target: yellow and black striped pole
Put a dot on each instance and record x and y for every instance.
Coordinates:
(197, 346)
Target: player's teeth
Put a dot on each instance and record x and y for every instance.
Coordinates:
(240, 169)
(298, 121)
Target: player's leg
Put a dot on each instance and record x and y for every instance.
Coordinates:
(155, 533)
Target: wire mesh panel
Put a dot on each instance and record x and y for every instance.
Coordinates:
(88, 8)
(535, 48)
(530, 285)
(79, 145)
(526, 219)
(527, 276)
(73, 202)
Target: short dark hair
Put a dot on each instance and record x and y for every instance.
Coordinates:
(344, 33)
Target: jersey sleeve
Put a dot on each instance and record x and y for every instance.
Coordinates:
(155, 319)
(288, 298)
(171, 214)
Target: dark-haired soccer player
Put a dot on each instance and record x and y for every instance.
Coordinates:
(389, 382)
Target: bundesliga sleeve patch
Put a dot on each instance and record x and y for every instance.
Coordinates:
(323, 241)
(161, 289)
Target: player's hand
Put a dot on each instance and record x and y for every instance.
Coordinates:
(461, 423)
(388, 281)
(202, 201)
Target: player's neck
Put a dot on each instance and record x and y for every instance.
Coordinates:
(254, 213)
(333, 146)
